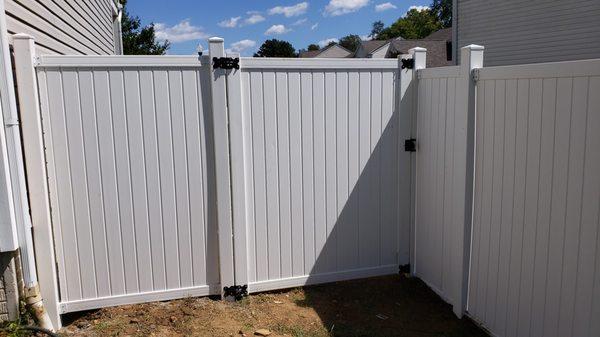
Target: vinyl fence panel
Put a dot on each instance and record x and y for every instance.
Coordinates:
(321, 156)
(131, 172)
(534, 268)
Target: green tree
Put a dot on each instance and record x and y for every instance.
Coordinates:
(312, 47)
(138, 40)
(414, 25)
(442, 9)
(276, 48)
(378, 27)
(350, 42)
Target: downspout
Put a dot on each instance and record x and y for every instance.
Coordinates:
(117, 28)
(31, 291)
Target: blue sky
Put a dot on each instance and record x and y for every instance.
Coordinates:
(245, 25)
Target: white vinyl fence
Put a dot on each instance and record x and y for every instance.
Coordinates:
(169, 177)
(535, 265)
(131, 176)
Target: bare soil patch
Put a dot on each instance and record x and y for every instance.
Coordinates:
(382, 306)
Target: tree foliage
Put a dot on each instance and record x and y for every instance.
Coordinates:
(350, 42)
(276, 48)
(138, 39)
(377, 28)
(414, 25)
(312, 47)
(442, 9)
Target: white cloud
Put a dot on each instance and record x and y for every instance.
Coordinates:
(277, 29)
(366, 37)
(419, 8)
(254, 18)
(341, 7)
(290, 11)
(240, 46)
(231, 23)
(384, 7)
(315, 26)
(326, 42)
(183, 31)
(300, 22)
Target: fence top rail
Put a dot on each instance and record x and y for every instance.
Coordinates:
(441, 72)
(102, 61)
(542, 70)
(316, 63)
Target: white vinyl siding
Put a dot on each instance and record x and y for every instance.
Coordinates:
(517, 32)
(64, 27)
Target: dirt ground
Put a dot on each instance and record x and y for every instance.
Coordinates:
(383, 306)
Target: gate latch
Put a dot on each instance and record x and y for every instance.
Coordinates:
(408, 63)
(226, 63)
(410, 145)
(235, 292)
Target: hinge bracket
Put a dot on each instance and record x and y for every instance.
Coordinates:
(226, 63)
(410, 145)
(235, 292)
(408, 63)
(475, 75)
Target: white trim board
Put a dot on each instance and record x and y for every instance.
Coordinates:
(152, 296)
(299, 281)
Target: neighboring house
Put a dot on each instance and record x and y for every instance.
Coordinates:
(59, 27)
(334, 50)
(438, 45)
(523, 31)
(89, 27)
(373, 49)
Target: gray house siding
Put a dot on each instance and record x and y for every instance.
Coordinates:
(64, 27)
(524, 31)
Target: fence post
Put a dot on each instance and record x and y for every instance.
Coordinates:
(419, 56)
(222, 165)
(37, 178)
(464, 165)
(238, 162)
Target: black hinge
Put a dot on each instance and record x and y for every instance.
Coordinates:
(404, 269)
(226, 63)
(408, 63)
(235, 292)
(410, 145)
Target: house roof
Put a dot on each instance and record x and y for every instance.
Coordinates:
(372, 45)
(309, 53)
(436, 50)
(444, 34)
(316, 53)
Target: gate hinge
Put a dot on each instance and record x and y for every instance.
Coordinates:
(226, 63)
(235, 292)
(408, 63)
(475, 75)
(404, 269)
(410, 145)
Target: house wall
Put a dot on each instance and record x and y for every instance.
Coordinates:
(522, 31)
(64, 27)
(9, 305)
(381, 52)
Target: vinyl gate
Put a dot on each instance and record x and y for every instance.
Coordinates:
(322, 200)
(170, 179)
